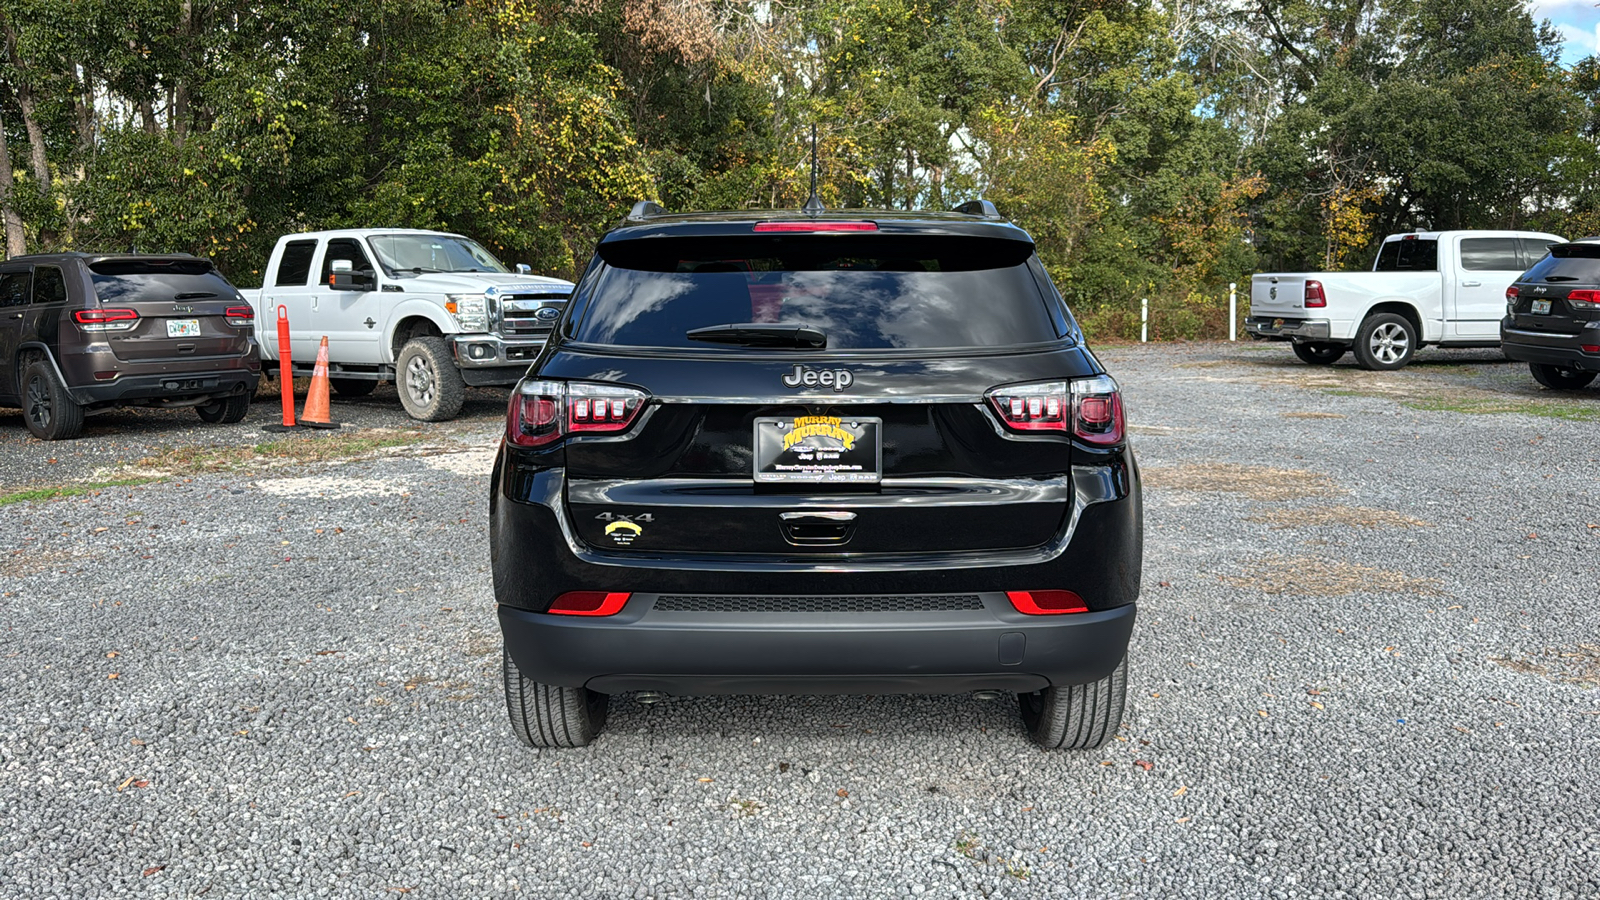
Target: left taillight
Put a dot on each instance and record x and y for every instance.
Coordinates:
(239, 315)
(543, 412)
(106, 319)
(1089, 409)
(1314, 297)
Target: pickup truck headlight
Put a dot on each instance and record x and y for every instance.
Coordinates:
(470, 310)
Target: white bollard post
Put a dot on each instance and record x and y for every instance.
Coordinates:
(1233, 311)
(1144, 320)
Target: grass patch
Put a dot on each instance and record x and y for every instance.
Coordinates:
(1353, 516)
(194, 460)
(1255, 482)
(1311, 577)
(1578, 665)
(1572, 412)
(58, 491)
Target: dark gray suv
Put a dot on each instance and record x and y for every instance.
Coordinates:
(85, 332)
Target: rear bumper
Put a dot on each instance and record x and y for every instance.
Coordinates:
(1551, 349)
(642, 648)
(1278, 328)
(176, 386)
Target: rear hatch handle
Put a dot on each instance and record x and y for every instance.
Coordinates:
(822, 526)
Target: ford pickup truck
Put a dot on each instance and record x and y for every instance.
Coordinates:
(1445, 288)
(432, 312)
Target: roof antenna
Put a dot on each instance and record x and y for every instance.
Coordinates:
(813, 205)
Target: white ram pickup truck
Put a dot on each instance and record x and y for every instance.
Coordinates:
(1431, 287)
(431, 312)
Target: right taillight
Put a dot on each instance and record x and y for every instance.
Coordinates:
(1090, 409)
(543, 412)
(1512, 293)
(106, 319)
(1584, 299)
(1314, 296)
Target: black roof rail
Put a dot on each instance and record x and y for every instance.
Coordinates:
(646, 209)
(979, 207)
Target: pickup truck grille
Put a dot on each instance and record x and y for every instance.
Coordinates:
(520, 318)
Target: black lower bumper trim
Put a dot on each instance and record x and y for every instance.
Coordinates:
(177, 386)
(643, 648)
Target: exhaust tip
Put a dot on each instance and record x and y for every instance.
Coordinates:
(648, 698)
(987, 696)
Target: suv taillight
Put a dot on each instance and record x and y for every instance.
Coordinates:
(239, 315)
(543, 412)
(106, 319)
(1584, 299)
(1511, 299)
(1314, 296)
(1088, 408)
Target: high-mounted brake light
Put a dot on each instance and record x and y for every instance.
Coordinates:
(106, 319)
(1088, 408)
(589, 603)
(543, 412)
(1584, 299)
(771, 227)
(1046, 603)
(1314, 295)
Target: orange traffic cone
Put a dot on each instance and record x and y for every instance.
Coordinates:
(315, 415)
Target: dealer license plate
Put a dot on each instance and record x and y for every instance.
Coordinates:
(1540, 307)
(818, 449)
(183, 328)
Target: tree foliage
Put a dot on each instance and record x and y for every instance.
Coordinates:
(1155, 150)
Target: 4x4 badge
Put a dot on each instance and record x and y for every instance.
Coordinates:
(838, 379)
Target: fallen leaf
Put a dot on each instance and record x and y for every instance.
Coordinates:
(111, 655)
(1316, 705)
(136, 742)
(1166, 584)
(1183, 820)
(141, 783)
(152, 870)
(1144, 764)
(705, 781)
(1262, 713)
(114, 676)
(127, 781)
(351, 793)
(587, 844)
(1462, 730)
(1533, 535)
(842, 792)
(1181, 791)
(1108, 763)
(326, 652)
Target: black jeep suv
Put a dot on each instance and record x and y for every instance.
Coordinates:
(1553, 316)
(769, 452)
(80, 333)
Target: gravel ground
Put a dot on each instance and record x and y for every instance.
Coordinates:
(1366, 666)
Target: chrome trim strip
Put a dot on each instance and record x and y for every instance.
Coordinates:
(737, 492)
(829, 398)
(1558, 335)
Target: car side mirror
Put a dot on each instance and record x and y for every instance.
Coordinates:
(524, 269)
(351, 281)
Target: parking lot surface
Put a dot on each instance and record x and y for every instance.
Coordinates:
(1366, 665)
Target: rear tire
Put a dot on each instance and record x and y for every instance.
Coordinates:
(1076, 716)
(47, 410)
(1318, 353)
(352, 387)
(430, 385)
(546, 715)
(226, 411)
(1385, 342)
(1560, 378)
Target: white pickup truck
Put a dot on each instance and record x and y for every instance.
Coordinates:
(431, 312)
(1431, 287)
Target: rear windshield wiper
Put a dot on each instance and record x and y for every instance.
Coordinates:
(759, 334)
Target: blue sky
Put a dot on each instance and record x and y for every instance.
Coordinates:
(1577, 20)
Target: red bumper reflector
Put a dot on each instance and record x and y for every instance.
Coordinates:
(104, 376)
(589, 603)
(1591, 348)
(1046, 603)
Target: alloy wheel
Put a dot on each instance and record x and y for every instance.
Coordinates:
(1389, 343)
(39, 403)
(420, 381)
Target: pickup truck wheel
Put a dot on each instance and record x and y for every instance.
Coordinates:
(546, 715)
(353, 387)
(1386, 341)
(1076, 716)
(431, 388)
(1317, 353)
(47, 410)
(226, 411)
(1560, 378)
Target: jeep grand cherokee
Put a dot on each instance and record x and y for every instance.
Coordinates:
(811, 453)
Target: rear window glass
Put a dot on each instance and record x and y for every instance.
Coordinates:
(863, 293)
(1414, 255)
(130, 281)
(1568, 264)
(294, 269)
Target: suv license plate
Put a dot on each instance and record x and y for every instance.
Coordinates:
(818, 449)
(1540, 307)
(183, 328)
